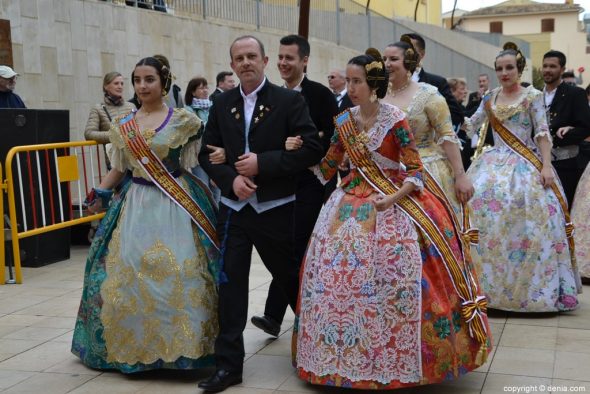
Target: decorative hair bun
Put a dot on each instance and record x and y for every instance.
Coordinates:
(520, 59)
(411, 57)
(374, 53)
(510, 45)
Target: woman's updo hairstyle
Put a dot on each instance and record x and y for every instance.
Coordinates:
(161, 68)
(375, 71)
(511, 48)
(411, 57)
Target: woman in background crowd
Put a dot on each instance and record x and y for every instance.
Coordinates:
(197, 99)
(113, 105)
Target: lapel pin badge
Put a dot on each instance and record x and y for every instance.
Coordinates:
(233, 110)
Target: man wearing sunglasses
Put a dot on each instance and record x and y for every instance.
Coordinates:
(9, 99)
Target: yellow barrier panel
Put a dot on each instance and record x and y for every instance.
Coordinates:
(67, 171)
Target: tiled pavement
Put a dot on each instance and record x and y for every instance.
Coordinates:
(533, 352)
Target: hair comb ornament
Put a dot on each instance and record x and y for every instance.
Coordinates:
(374, 65)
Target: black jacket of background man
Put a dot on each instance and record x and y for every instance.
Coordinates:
(472, 105)
(322, 108)
(345, 103)
(279, 113)
(310, 191)
(473, 102)
(444, 89)
(569, 108)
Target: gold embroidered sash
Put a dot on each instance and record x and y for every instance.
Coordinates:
(473, 307)
(160, 176)
(520, 148)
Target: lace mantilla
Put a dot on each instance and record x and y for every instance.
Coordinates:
(420, 99)
(361, 295)
(388, 116)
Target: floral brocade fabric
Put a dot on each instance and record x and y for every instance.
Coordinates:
(430, 121)
(581, 220)
(522, 259)
(149, 299)
(377, 309)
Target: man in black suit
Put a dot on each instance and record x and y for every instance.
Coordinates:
(337, 83)
(258, 183)
(292, 61)
(435, 80)
(474, 99)
(223, 82)
(568, 116)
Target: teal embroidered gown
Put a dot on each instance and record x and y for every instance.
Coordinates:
(149, 299)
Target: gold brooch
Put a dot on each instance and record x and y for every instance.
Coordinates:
(238, 115)
(363, 138)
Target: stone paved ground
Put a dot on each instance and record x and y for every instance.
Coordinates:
(37, 319)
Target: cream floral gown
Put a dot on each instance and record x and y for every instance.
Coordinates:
(522, 260)
(430, 122)
(581, 220)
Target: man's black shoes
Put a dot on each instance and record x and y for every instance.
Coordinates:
(221, 380)
(267, 324)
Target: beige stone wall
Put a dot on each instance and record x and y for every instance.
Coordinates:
(62, 49)
(567, 37)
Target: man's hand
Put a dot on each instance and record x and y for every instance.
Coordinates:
(562, 131)
(243, 187)
(247, 164)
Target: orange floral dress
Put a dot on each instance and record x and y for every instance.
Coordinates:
(377, 308)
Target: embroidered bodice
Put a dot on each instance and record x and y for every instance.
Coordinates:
(430, 121)
(389, 142)
(174, 142)
(525, 118)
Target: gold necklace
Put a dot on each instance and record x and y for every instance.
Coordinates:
(146, 113)
(367, 121)
(392, 92)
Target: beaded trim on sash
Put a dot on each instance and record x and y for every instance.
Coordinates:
(473, 306)
(160, 176)
(520, 148)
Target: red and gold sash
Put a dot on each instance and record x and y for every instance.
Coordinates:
(160, 176)
(520, 148)
(474, 306)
